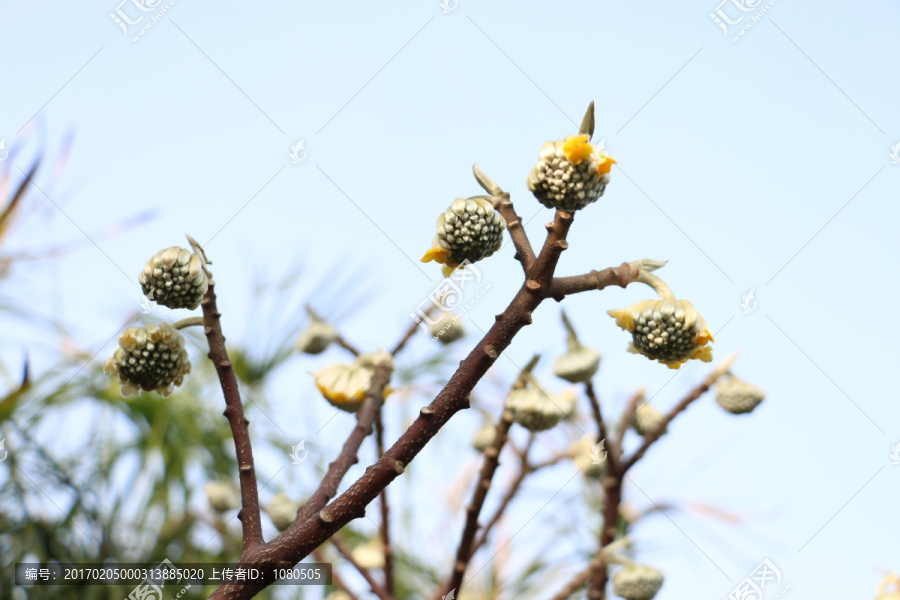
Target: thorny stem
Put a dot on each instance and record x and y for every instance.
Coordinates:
(503, 205)
(466, 547)
(377, 588)
(234, 411)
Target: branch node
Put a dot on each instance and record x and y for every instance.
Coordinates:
(490, 351)
(562, 244)
(532, 285)
(399, 467)
(426, 411)
(245, 468)
(325, 516)
(491, 452)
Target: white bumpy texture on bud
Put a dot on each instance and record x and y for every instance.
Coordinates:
(174, 278)
(738, 397)
(149, 358)
(637, 582)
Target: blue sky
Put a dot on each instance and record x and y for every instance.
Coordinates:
(761, 163)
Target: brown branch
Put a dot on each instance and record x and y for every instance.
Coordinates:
(524, 251)
(525, 469)
(377, 588)
(595, 280)
(348, 457)
(234, 411)
(613, 453)
(489, 465)
(335, 576)
(311, 529)
(652, 436)
(597, 563)
(385, 527)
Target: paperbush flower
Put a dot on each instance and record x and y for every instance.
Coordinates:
(316, 338)
(282, 510)
(668, 330)
(149, 358)
(469, 230)
(175, 278)
(484, 437)
(222, 495)
(737, 396)
(570, 174)
(345, 385)
(647, 418)
(536, 410)
(637, 582)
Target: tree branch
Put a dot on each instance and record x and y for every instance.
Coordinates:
(385, 528)
(307, 532)
(466, 549)
(335, 576)
(595, 280)
(524, 251)
(597, 563)
(234, 411)
(602, 434)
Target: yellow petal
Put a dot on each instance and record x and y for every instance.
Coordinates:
(604, 165)
(623, 318)
(577, 148)
(704, 337)
(438, 255)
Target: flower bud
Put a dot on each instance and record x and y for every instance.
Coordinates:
(737, 396)
(467, 231)
(536, 410)
(669, 331)
(647, 418)
(577, 365)
(447, 328)
(149, 358)
(570, 174)
(222, 495)
(637, 582)
(317, 336)
(343, 385)
(484, 437)
(282, 510)
(370, 554)
(174, 278)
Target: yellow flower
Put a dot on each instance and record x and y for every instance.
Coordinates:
(467, 231)
(570, 174)
(345, 385)
(668, 330)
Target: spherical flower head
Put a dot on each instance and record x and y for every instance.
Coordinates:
(175, 277)
(484, 437)
(669, 331)
(577, 365)
(570, 174)
(222, 495)
(647, 418)
(282, 510)
(370, 554)
(536, 410)
(637, 582)
(150, 358)
(737, 396)
(447, 328)
(316, 338)
(344, 386)
(467, 231)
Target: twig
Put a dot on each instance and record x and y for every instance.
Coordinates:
(595, 280)
(525, 469)
(651, 436)
(335, 576)
(524, 251)
(466, 548)
(597, 563)
(377, 588)
(339, 339)
(251, 525)
(307, 533)
(188, 322)
(348, 457)
(612, 451)
(385, 528)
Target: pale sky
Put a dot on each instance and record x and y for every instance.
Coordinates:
(762, 163)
